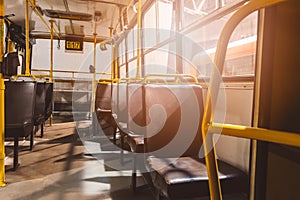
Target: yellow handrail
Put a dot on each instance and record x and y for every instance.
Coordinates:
(24, 75)
(68, 71)
(51, 50)
(280, 137)
(156, 80)
(94, 74)
(176, 76)
(2, 128)
(139, 40)
(27, 70)
(105, 80)
(2, 100)
(212, 168)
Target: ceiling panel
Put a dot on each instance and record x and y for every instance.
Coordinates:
(109, 14)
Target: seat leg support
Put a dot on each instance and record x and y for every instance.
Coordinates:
(31, 140)
(42, 130)
(16, 153)
(133, 177)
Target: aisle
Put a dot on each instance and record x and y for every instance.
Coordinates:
(60, 167)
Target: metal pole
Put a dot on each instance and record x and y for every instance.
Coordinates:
(2, 103)
(94, 76)
(27, 71)
(2, 129)
(51, 50)
(212, 168)
(256, 100)
(139, 25)
(51, 59)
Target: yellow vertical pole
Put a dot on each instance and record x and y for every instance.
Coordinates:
(2, 128)
(258, 67)
(113, 62)
(51, 59)
(27, 71)
(139, 40)
(51, 49)
(116, 64)
(2, 103)
(94, 76)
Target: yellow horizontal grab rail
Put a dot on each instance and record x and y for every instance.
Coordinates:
(267, 135)
(176, 76)
(68, 71)
(42, 76)
(156, 80)
(105, 81)
(129, 80)
(25, 75)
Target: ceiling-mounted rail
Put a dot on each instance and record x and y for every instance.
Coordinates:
(35, 8)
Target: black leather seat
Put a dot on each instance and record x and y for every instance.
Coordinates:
(10, 64)
(48, 100)
(19, 110)
(39, 108)
(48, 104)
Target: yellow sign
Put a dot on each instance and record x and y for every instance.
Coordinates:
(74, 44)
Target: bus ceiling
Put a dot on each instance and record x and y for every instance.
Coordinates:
(92, 16)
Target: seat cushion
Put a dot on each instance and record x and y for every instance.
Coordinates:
(136, 142)
(186, 177)
(23, 130)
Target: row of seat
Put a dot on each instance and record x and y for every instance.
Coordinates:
(28, 104)
(161, 123)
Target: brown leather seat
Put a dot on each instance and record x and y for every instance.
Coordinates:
(158, 108)
(168, 120)
(135, 142)
(186, 177)
(103, 109)
(120, 110)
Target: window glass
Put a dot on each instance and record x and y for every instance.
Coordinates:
(196, 9)
(241, 50)
(161, 61)
(165, 19)
(150, 27)
(132, 69)
(130, 44)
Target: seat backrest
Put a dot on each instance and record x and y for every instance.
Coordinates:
(19, 103)
(103, 108)
(39, 108)
(173, 116)
(114, 100)
(48, 100)
(119, 105)
(103, 97)
(10, 64)
(136, 116)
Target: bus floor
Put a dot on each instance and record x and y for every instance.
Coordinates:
(71, 163)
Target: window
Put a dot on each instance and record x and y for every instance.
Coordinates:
(241, 50)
